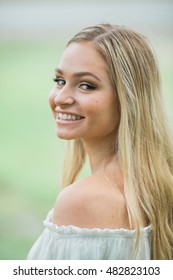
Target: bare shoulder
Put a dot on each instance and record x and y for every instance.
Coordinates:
(70, 207)
(90, 204)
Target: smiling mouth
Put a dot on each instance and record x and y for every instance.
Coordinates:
(68, 117)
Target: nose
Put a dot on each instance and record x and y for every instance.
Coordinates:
(64, 96)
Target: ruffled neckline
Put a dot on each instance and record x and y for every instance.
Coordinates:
(72, 230)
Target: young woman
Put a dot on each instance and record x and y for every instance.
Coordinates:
(107, 100)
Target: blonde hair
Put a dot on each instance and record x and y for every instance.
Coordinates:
(144, 144)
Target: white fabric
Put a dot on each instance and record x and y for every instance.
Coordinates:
(75, 243)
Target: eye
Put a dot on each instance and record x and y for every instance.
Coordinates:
(59, 81)
(86, 86)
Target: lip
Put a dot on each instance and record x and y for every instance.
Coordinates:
(63, 122)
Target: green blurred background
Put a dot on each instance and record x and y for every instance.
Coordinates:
(33, 35)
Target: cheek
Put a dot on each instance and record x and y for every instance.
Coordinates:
(109, 113)
(93, 108)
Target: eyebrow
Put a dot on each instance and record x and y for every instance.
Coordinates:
(79, 74)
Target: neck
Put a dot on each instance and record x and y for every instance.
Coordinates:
(99, 153)
(104, 164)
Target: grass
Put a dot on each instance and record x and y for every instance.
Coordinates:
(30, 156)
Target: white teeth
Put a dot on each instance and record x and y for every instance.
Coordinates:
(64, 116)
(73, 117)
(68, 117)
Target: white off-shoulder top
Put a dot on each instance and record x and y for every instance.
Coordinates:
(75, 243)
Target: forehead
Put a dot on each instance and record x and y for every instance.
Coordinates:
(82, 56)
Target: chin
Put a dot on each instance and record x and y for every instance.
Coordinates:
(65, 136)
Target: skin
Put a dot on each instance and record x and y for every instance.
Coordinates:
(91, 96)
(98, 106)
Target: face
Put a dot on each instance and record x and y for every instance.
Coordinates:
(83, 101)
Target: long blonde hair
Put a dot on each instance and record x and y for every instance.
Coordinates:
(144, 144)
